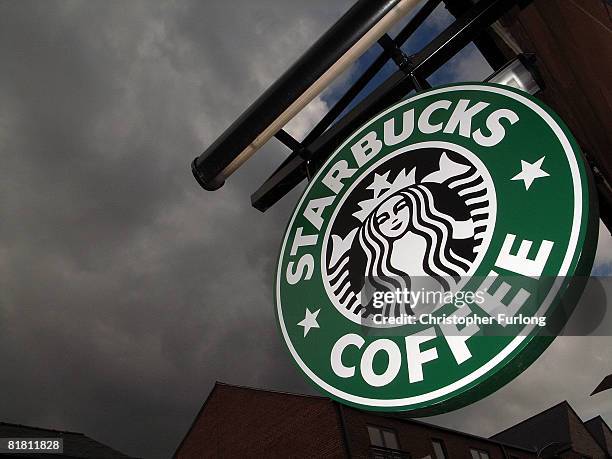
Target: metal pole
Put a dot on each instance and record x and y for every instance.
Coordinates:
(339, 47)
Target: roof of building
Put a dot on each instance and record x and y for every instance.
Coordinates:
(235, 386)
(75, 444)
(558, 424)
(601, 432)
(557, 414)
(318, 398)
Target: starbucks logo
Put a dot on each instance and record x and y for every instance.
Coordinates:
(420, 212)
(436, 253)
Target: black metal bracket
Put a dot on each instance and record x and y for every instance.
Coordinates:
(339, 107)
(396, 53)
(324, 138)
(403, 61)
(287, 139)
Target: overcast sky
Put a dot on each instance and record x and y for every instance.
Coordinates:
(126, 289)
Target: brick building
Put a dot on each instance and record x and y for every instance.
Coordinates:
(238, 421)
(571, 41)
(561, 429)
(600, 432)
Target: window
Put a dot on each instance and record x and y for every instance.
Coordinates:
(439, 450)
(479, 454)
(385, 438)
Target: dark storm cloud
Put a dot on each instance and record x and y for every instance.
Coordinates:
(126, 289)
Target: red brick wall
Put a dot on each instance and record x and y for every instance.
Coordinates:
(557, 424)
(571, 39)
(582, 441)
(239, 422)
(242, 422)
(416, 439)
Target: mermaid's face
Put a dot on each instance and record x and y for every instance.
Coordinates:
(392, 217)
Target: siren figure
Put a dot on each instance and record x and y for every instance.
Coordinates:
(405, 241)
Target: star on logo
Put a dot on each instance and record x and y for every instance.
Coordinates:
(530, 172)
(310, 321)
(380, 183)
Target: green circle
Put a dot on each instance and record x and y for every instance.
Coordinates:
(557, 205)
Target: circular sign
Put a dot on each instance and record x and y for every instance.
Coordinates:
(437, 252)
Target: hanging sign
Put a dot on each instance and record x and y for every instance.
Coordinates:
(437, 252)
